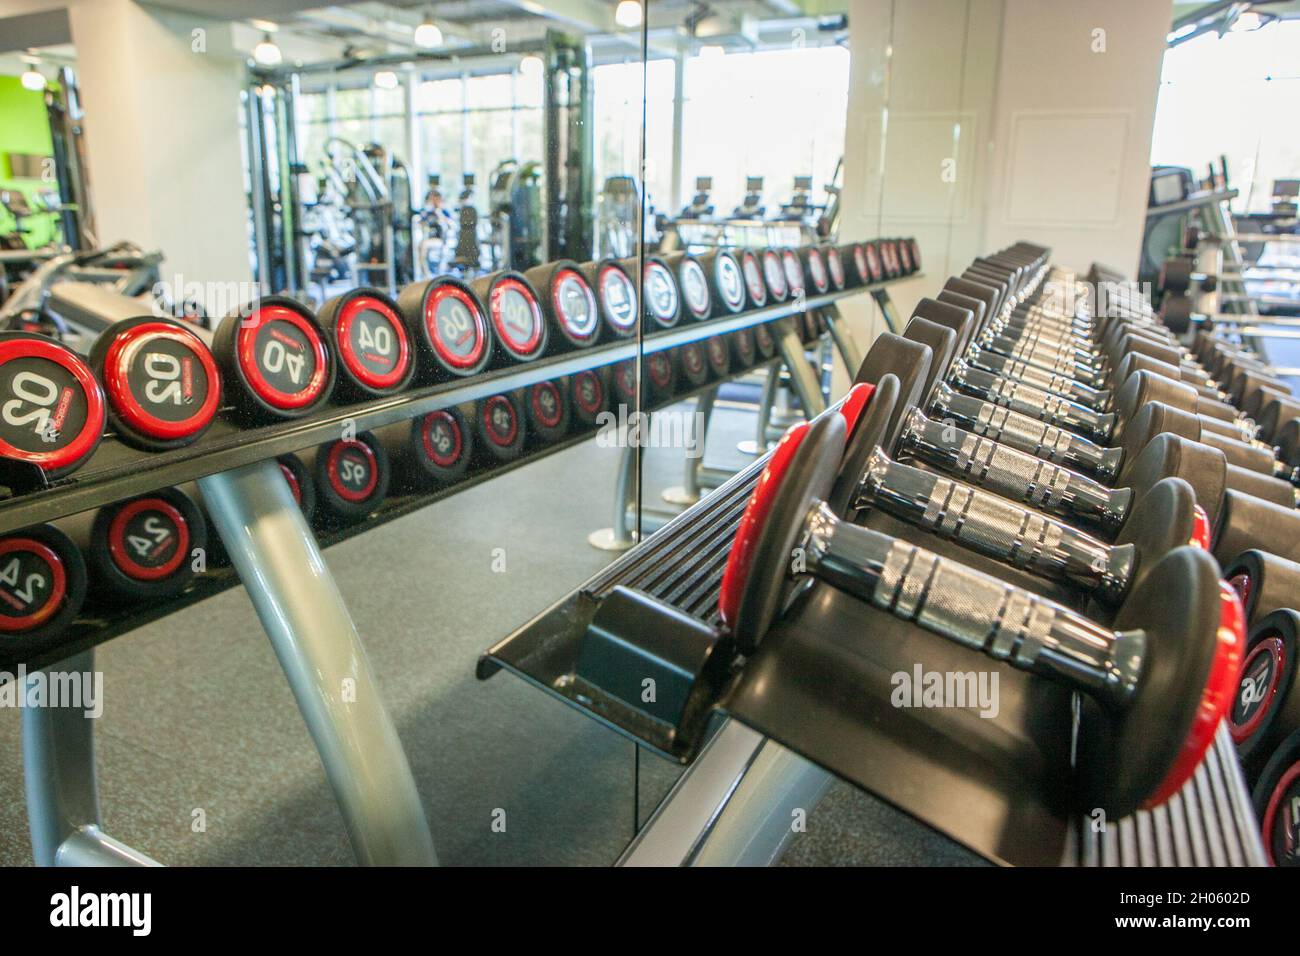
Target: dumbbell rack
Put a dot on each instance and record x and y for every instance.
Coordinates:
(1000, 787)
(276, 556)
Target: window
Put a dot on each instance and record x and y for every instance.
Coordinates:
(617, 113)
(1237, 97)
(772, 113)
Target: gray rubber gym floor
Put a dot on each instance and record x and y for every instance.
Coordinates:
(198, 716)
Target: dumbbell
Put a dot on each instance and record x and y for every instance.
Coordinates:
(435, 448)
(839, 276)
(774, 276)
(815, 277)
(1178, 275)
(725, 280)
(693, 284)
(589, 396)
(660, 371)
(160, 380)
(548, 410)
(1266, 706)
(275, 360)
(515, 313)
(501, 427)
(616, 295)
(1140, 394)
(1066, 370)
(889, 255)
(1265, 582)
(142, 548)
(1084, 347)
(568, 303)
(1190, 395)
(1020, 476)
(352, 476)
(744, 350)
(52, 408)
(301, 485)
(42, 586)
(1057, 373)
(662, 297)
(857, 272)
(453, 337)
(1276, 798)
(1166, 518)
(376, 355)
(751, 269)
(1161, 681)
(1023, 477)
(1051, 354)
(795, 279)
(711, 358)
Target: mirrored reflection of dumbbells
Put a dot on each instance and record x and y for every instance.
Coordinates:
(1158, 680)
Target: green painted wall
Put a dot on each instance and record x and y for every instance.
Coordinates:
(24, 128)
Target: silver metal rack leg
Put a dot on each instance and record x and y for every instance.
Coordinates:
(758, 445)
(60, 783)
(802, 378)
(887, 310)
(735, 805)
(688, 492)
(324, 661)
(848, 349)
(621, 535)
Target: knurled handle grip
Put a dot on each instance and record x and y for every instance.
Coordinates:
(1005, 622)
(1031, 401)
(1038, 341)
(1035, 377)
(995, 527)
(1023, 433)
(1012, 473)
(1055, 365)
(1045, 353)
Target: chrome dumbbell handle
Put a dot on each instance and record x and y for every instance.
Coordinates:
(1031, 401)
(1030, 349)
(1013, 474)
(1061, 358)
(1047, 337)
(1053, 364)
(973, 609)
(1026, 434)
(993, 526)
(1056, 331)
(1030, 374)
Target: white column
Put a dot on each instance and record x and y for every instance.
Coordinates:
(1076, 103)
(920, 111)
(161, 92)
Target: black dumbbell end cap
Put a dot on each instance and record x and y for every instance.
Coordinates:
(1161, 520)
